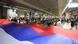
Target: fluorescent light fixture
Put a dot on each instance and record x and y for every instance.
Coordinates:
(73, 5)
(69, 2)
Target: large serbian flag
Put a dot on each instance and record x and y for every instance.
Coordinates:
(4, 21)
(36, 34)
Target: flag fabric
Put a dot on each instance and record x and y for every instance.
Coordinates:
(48, 35)
(4, 21)
(5, 38)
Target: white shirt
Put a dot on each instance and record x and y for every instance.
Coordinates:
(67, 25)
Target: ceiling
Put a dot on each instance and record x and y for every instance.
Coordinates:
(75, 1)
(50, 6)
(74, 10)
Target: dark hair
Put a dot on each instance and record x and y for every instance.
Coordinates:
(68, 20)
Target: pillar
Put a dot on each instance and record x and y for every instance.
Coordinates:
(3, 12)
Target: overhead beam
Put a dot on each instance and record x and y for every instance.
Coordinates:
(62, 5)
(32, 6)
(66, 6)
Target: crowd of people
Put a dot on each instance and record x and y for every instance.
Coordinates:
(71, 23)
(44, 21)
(66, 23)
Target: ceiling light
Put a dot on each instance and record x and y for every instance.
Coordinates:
(73, 5)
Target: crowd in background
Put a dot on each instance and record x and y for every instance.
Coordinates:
(66, 23)
(70, 23)
(44, 21)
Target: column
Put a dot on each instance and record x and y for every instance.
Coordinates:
(3, 12)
